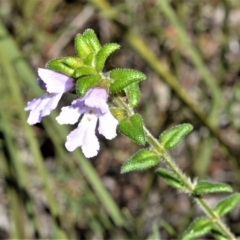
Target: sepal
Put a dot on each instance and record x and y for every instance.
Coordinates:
(103, 54)
(123, 78)
(72, 62)
(85, 83)
(118, 113)
(133, 128)
(173, 136)
(141, 160)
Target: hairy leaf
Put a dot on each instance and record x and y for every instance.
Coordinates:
(123, 78)
(227, 204)
(103, 54)
(206, 187)
(142, 160)
(171, 178)
(198, 228)
(133, 128)
(173, 136)
(85, 83)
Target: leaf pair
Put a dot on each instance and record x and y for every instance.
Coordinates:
(202, 226)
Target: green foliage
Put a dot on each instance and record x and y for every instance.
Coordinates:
(123, 78)
(227, 204)
(103, 54)
(58, 65)
(198, 228)
(133, 128)
(206, 187)
(141, 160)
(173, 136)
(171, 178)
(133, 94)
(82, 46)
(85, 83)
(72, 62)
(92, 40)
(84, 70)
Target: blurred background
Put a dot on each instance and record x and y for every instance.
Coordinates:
(190, 53)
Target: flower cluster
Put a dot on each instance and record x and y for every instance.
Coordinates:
(92, 106)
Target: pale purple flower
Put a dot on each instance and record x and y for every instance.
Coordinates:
(55, 84)
(94, 106)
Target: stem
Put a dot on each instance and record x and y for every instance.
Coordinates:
(161, 151)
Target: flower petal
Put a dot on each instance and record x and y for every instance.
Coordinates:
(40, 107)
(71, 114)
(107, 125)
(55, 82)
(97, 98)
(84, 135)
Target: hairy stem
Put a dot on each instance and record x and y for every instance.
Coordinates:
(161, 151)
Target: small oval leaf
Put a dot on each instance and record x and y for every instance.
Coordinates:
(85, 83)
(133, 128)
(58, 65)
(123, 78)
(227, 204)
(103, 54)
(84, 70)
(141, 160)
(171, 178)
(173, 136)
(206, 187)
(92, 40)
(72, 62)
(133, 94)
(81, 46)
(198, 228)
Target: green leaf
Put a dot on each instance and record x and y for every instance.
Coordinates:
(123, 78)
(133, 94)
(92, 40)
(218, 234)
(72, 62)
(84, 70)
(103, 54)
(141, 160)
(82, 47)
(171, 178)
(198, 228)
(58, 65)
(133, 128)
(227, 204)
(173, 136)
(89, 60)
(206, 187)
(85, 83)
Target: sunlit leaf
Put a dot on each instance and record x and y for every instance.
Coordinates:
(206, 187)
(133, 128)
(123, 78)
(85, 83)
(198, 228)
(173, 136)
(142, 160)
(103, 54)
(227, 204)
